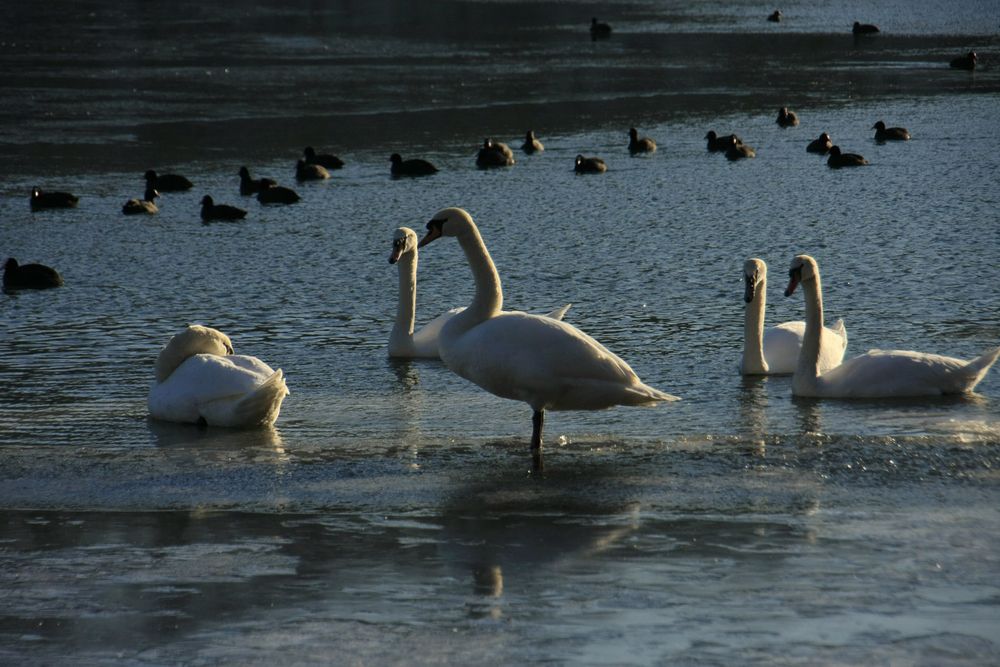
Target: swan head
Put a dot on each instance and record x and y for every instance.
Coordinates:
(196, 339)
(404, 240)
(447, 222)
(803, 269)
(754, 273)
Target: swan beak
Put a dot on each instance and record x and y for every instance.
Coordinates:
(793, 281)
(394, 255)
(433, 232)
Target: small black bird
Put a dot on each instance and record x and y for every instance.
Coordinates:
(42, 200)
(637, 144)
(29, 276)
(324, 160)
(308, 171)
(968, 61)
(531, 143)
(864, 28)
(717, 144)
(838, 159)
(277, 194)
(494, 154)
(251, 186)
(883, 133)
(144, 206)
(786, 118)
(775, 17)
(411, 167)
(599, 30)
(820, 145)
(589, 165)
(212, 211)
(738, 150)
(167, 182)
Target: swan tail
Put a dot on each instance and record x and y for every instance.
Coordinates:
(558, 313)
(643, 394)
(977, 369)
(841, 330)
(261, 406)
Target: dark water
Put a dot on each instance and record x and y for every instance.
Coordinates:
(390, 517)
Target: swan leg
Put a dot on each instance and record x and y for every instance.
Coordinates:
(537, 420)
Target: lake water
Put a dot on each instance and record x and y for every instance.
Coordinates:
(391, 516)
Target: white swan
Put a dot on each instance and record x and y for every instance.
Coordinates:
(775, 350)
(404, 341)
(200, 380)
(544, 362)
(877, 373)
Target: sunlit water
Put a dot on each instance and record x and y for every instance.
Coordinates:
(391, 516)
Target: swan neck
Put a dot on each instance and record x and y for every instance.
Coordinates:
(406, 306)
(807, 369)
(488, 300)
(753, 333)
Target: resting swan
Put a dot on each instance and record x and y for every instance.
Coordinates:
(200, 380)
(404, 342)
(544, 362)
(775, 350)
(877, 373)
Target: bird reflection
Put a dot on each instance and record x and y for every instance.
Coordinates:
(405, 371)
(753, 403)
(487, 586)
(809, 415)
(169, 434)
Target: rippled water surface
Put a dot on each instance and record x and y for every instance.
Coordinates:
(391, 516)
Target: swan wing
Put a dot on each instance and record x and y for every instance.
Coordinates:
(558, 313)
(782, 343)
(205, 385)
(425, 339)
(544, 362)
(903, 373)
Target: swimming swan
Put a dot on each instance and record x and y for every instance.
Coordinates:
(200, 380)
(877, 373)
(404, 342)
(544, 362)
(775, 350)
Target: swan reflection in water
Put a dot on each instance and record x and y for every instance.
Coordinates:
(192, 441)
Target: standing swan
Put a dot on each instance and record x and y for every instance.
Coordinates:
(775, 351)
(544, 362)
(877, 373)
(200, 380)
(404, 342)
